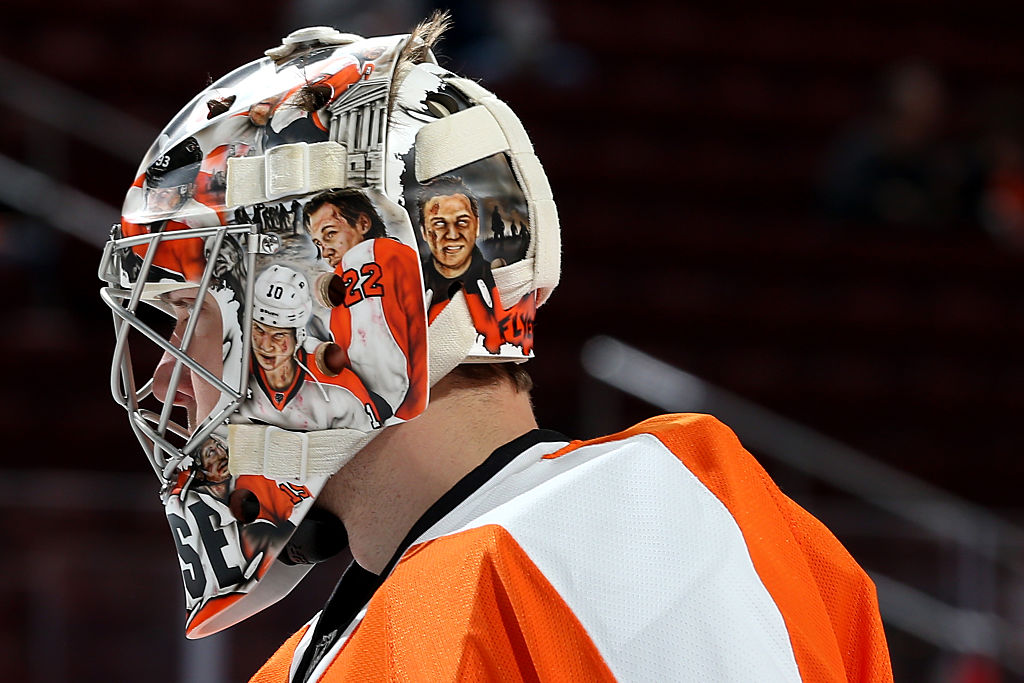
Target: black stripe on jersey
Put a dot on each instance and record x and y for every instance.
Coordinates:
(382, 407)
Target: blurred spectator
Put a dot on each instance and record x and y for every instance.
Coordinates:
(897, 169)
(968, 668)
(1002, 151)
(29, 258)
(502, 40)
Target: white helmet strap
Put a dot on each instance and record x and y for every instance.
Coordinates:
(294, 456)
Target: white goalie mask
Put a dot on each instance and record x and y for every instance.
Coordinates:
(389, 213)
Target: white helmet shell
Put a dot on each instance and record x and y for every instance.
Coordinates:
(339, 163)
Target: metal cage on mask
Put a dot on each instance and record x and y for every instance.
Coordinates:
(154, 430)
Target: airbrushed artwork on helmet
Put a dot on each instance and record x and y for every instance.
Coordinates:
(283, 253)
(228, 529)
(338, 332)
(471, 221)
(295, 296)
(336, 340)
(468, 221)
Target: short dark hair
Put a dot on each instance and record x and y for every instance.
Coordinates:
(350, 204)
(491, 373)
(445, 186)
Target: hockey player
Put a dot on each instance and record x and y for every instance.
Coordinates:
(485, 548)
(374, 295)
(293, 388)
(450, 223)
(168, 191)
(449, 217)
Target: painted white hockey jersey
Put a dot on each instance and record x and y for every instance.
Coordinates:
(663, 553)
(312, 402)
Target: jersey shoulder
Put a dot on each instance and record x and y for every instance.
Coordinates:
(827, 601)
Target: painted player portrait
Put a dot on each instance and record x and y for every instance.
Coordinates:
(449, 220)
(470, 222)
(300, 382)
(376, 307)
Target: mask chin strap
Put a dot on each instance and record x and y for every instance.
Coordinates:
(319, 536)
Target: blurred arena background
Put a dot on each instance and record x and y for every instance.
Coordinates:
(817, 209)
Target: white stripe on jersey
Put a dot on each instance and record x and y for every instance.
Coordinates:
(376, 356)
(662, 585)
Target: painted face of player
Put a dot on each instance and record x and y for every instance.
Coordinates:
(272, 346)
(195, 394)
(166, 199)
(213, 458)
(450, 229)
(259, 113)
(333, 234)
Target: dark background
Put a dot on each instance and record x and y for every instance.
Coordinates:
(708, 160)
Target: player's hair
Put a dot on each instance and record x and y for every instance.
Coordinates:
(350, 204)
(422, 40)
(218, 106)
(480, 374)
(312, 97)
(445, 186)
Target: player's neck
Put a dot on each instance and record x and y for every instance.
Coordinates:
(281, 377)
(449, 273)
(388, 486)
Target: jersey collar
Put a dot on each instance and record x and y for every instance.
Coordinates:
(358, 585)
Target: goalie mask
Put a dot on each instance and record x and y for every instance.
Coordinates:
(294, 239)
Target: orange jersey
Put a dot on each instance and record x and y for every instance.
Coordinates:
(661, 553)
(381, 323)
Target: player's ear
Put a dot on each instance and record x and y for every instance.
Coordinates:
(363, 224)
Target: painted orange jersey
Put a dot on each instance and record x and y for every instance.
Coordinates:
(277, 500)
(184, 256)
(664, 552)
(381, 323)
(336, 74)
